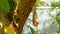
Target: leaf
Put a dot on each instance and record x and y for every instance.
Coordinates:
(33, 31)
(55, 4)
(12, 3)
(4, 5)
(38, 3)
(8, 30)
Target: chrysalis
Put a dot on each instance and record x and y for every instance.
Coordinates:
(35, 19)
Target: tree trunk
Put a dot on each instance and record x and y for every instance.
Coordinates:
(24, 10)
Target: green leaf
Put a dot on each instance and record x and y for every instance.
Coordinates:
(4, 5)
(39, 2)
(33, 31)
(12, 3)
(55, 4)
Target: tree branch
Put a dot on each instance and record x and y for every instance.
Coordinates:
(24, 10)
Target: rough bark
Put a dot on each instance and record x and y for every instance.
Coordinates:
(24, 10)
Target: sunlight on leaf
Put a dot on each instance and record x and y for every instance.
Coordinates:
(38, 3)
(9, 30)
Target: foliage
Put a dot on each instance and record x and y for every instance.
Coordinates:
(3, 18)
(4, 5)
(12, 4)
(2, 31)
(8, 30)
(33, 31)
(38, 3)
(58, 17)
(7, 9)
(58, 20)
(55, 4)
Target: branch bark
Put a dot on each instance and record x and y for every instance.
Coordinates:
(23, 12)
